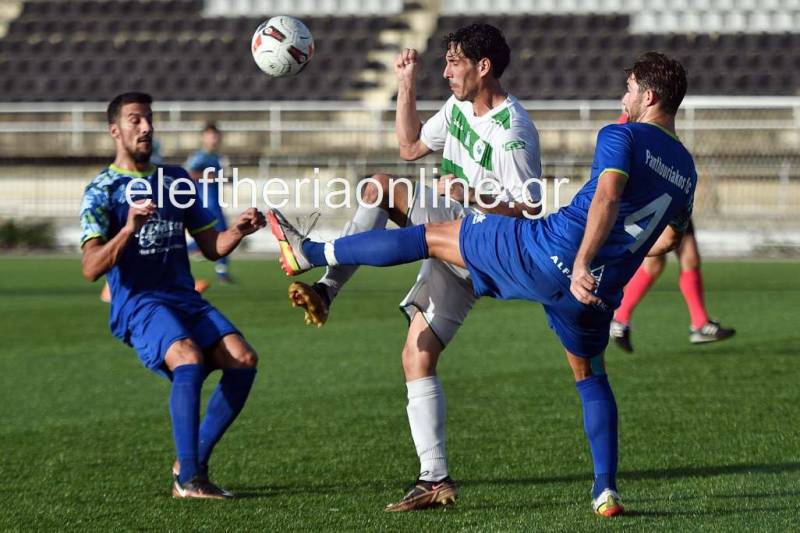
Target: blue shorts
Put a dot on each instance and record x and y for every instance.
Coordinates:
(501, 266)
(156, 324)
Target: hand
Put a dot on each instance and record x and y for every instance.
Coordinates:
(450, 185)
(405, 66)
(138, 214)
(250, 221)
(583, 284)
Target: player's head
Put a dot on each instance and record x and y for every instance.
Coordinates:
(211, 137)
(130, 123)
(654, 80)
(474, 54)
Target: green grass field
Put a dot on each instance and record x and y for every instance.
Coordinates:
(710, 435)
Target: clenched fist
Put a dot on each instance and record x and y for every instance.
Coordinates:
(250, 221)
(138, 214)
(405, 66)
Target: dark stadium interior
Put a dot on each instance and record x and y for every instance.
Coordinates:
(581, 56)
(87, 49)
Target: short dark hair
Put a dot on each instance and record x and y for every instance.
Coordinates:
(663, 75)
(120, 100)
(481, 40)
(211, 126)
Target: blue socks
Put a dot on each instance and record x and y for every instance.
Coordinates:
(223, 407)
(374, 248)
(600, 424)
(315, 252)
(184, 406)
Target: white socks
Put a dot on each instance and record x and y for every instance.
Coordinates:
(365, 219)
(426, 413)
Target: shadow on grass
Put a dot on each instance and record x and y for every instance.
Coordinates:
(694, 512)
(267, 491)
(666, 473)
(724, 496)
(738, 346)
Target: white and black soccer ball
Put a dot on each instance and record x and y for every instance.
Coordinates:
(282, 46)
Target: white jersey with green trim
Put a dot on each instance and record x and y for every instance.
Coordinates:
(497, 153)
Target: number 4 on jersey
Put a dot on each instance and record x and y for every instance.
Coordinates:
(656, 208)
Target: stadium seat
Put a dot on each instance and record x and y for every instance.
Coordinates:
(570, 54)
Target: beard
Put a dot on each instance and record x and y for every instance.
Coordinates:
(634, 111)
(465, 96)
(141, 155)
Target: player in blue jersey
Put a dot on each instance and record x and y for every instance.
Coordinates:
(576, 261)
(133, 219)
(209, 192)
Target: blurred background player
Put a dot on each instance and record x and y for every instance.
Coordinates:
(702, 329)
(576, 261)
(486, 139)
(209, 194)
(141, 248)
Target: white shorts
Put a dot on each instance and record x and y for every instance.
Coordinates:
(443, 292)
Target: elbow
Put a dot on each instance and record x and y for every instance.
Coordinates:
(90, 270)
(413, 151)
(90, 275)
(406, 155)
(210, 253)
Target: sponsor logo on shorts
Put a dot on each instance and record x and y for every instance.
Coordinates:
(597, 274)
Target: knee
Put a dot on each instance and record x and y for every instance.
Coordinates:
(377, 188)
(417, 363)
(183, 352)
(655, 265)
(247, 359)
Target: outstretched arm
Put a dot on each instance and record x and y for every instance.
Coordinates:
(602, 214)
(215, 244)
(407, 122)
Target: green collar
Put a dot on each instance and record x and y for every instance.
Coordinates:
(133, 173)
(662, 128)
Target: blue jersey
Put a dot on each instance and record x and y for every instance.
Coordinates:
(659, 191)
(154, 264)
(208, 193)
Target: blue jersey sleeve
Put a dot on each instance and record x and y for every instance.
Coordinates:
(614, 150)
(95, 208)
(199, 161)
(196, 162)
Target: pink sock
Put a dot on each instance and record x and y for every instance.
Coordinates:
(633, 293)
(691, 283)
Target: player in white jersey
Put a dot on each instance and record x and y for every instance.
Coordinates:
(490, 152)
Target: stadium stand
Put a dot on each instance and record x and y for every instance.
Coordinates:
(570, 56)
(228, 8)
(85, 50)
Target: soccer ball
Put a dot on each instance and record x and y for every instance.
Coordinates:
(282, 46)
